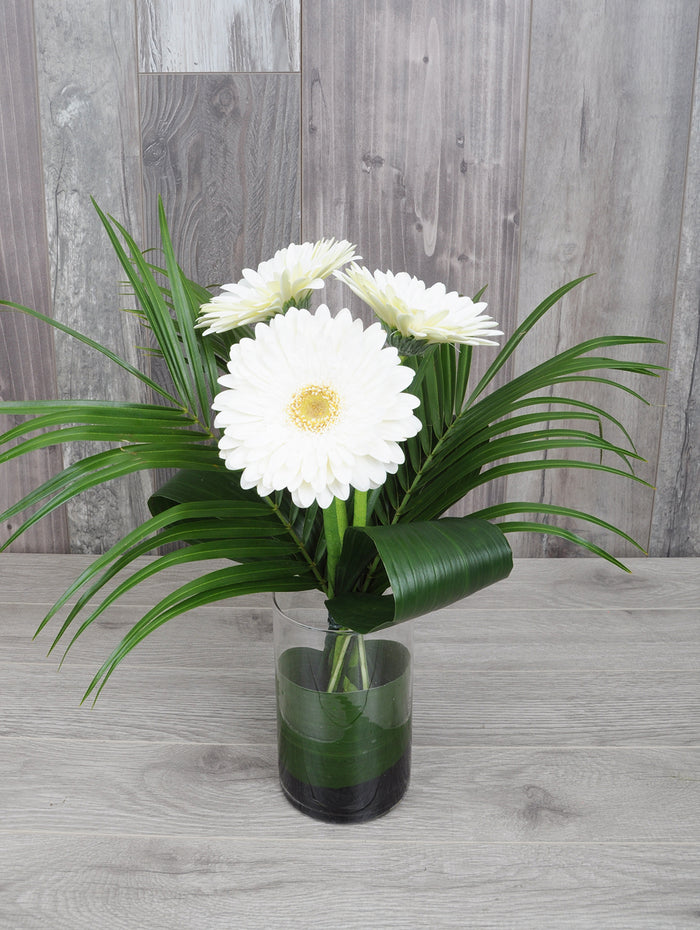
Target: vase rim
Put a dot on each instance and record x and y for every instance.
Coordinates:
(322, 626)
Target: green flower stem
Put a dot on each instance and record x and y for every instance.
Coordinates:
(340, 656)
(335, 522)
(338, 659)
(359, 518)
(359, 513)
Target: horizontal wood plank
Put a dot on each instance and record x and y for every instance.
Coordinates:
(474, 708)
(231, 634)
(534, 584)
(457, 795)
(221, 35)
(259, 883)
(556, 747)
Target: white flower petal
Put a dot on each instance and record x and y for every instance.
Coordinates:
(315, 404)
(431, 314)
(262, 293)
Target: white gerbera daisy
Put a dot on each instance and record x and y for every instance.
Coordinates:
(286, 279)
(315, 404)
(431, 314)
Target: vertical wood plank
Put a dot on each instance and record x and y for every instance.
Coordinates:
(89, 124)
(602, 192)
(676, 516)
(220, 35)
(26, 346)
(412, 136)
(222, 151)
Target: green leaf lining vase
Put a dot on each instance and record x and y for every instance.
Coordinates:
(344, 706)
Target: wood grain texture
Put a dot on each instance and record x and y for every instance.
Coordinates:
(555, 615)
(486, 708)
(548, 793)
(256, 882)
(603, 188)
(495, 639)
(472, 689)
(222, 151)
(221, 35)
(26, 346)
(90, 137)
(537, 585)
(426, 126)
(504, 795)
(675, 527)
(413, 137)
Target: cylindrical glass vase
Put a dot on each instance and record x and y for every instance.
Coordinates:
(344, 706)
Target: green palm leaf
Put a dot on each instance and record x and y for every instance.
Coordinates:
(6, 304)
(525, 526)
(221, 519)
(303, 528)
(214, 586)
(451, 468)
(550, 400)
(520, 333)
(130, 431)
(153, 304)
(198, 354)
(106, 466)
(522, 507)
(255, 550)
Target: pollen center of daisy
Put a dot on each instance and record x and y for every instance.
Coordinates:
(314, 408)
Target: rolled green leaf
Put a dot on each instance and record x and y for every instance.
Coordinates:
(189, 485)
(429, 565)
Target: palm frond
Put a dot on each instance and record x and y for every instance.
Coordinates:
(402, 542)
(524, 507)
(511, 345)
(198, 520)
(225, 583)
(86, 340)
(153, 304)
(452, 467)
(197, 353)
(525, 526)
(106, 466)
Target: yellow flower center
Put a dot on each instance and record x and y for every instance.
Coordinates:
(314, 408)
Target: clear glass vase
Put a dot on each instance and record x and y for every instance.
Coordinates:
(344, 706)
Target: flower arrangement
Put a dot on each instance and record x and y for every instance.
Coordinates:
(315, 453)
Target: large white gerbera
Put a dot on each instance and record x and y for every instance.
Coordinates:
(286, 279)
(431, 314)
(315, 404)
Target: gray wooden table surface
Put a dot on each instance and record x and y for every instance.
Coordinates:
(556, 774)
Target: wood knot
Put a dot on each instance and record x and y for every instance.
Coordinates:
(371, 161)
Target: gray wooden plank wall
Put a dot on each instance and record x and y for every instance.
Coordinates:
(514, 144)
